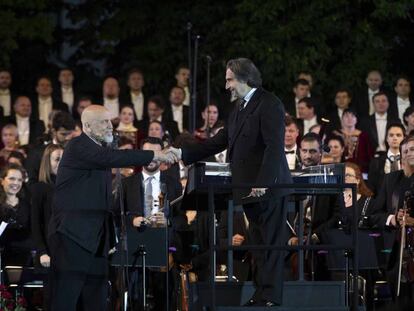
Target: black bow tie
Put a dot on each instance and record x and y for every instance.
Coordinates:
(289, 152)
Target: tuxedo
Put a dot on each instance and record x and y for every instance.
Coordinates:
(56, 105)
(296, 164)
(76, 96)
(393, 108)
(254, 139)
(168, 115)
(369, 126)
(133, 189)
(79, 226)
(126, 99)
(36, 127)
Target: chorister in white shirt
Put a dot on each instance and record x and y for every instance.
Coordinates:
(23, 129)
(113, 106)
(178, 116)
(5, 101)
(68, 97)
(45, 108)
(381, 124)
(138, 102)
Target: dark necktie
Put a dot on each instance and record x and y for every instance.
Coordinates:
(148, 197)
(394, 162)
(241, 104)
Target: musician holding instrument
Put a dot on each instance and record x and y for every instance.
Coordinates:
(392, 211)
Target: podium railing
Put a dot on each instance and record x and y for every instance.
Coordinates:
(295, 190)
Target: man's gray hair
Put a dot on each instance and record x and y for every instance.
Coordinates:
(245, 71)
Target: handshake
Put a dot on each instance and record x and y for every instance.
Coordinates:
(169, 155)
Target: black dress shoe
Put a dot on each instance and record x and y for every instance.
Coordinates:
(251, 302)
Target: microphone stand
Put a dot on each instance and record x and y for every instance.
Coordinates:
(167, 215)
(193, 104)
(208, 57)
(123, 238)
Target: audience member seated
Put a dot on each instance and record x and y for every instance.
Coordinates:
(176, 110)
(135, 97)
(67, 92)
(42, 196)
(29, 129)
(62, 130)
(343, 99)
(291, 147)
(10, 141)
(363, 99)
(336, 146)
(358, 148)
(375, 125)
(307, 115)
(126, 126)
(409, 120)
(43, 103)
(210, 117)
(389, 161)
(182, 76)
(14, 210)
(401, 99)
(300, 90)
(156, 108)
(7, 98)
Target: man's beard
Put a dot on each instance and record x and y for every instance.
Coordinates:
(153, 167)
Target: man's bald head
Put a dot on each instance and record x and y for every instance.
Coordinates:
(96, 123)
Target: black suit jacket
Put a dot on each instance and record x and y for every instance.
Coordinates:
(126, 99)
(76, 95)
(83, 190)
(393, 108)
(360, 103)
(36, 127)
(168, 115)
(376, 172)
(370, 127)
(255, 145)
(134, 192)
(56, 105)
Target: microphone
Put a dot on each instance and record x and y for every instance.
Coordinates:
(164, 190)
(209, 59)
(115, 140)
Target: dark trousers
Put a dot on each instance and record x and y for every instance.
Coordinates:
(78, 278)
(267, 223)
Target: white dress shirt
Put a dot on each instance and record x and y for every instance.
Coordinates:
(45, 108)
(68, 97)
(248, 96)
(291, 157)
(307, 124)
(138, 102)
(381, 123)
(113, 106)
(340, 113)
(387, 166)
(156, 189)
(371, 93)
(23, 129)
(187, 96)
(402, 105)
(178, 116)
(5, 101)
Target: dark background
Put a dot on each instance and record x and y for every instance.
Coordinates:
(337, 41)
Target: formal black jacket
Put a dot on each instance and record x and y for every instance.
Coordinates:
(370, 127)
(376, 172)
(360, 102)
(36, 127)
(254, 142)
(168, 115)
(76, 96)
(42, 196)
(126, 99)
(393, 108)
(83, 190)
(134, 192)
(56, 105)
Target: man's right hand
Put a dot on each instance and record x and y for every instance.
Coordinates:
(137, 221)
(45, 261)
(237, 240)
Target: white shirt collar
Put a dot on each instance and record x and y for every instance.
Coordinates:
(371, 92)
(19, 118)
(295, 147)
(177, 108)
(249, 96)
(389, 154)
(156, 175)
(67, 89)
(383, 117)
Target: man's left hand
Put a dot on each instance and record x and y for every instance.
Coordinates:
(257, 192)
